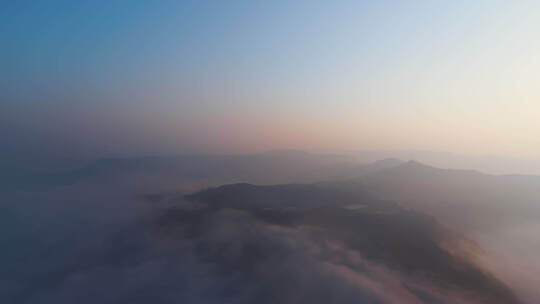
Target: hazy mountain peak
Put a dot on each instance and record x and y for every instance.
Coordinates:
(415, 165)
(388, 162)
(287, 152)
(413, 162)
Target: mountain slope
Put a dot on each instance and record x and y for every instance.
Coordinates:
(378, 245)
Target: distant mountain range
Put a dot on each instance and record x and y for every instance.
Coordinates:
(438, 191)
(403, 231)
(445, 193)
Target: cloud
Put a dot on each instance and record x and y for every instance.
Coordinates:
(89, 243)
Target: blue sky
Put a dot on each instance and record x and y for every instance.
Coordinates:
(131, 77)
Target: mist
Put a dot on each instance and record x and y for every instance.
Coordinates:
(277, 152)
(145, 230)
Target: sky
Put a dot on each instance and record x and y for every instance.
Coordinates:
(113, 78)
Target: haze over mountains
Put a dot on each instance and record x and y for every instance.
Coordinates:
(422, 234)
(133, 166)
(389, 253)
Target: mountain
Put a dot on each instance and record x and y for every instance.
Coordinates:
(390, 252)
(485, 163)
(500, 212)
(248, 196)
(314, 228)
(462, 198)
(199, 170)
